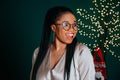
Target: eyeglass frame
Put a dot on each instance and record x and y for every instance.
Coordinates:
(70, 25)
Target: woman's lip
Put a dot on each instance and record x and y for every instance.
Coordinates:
(70, 35)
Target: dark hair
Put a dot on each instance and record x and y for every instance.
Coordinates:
(52, 16)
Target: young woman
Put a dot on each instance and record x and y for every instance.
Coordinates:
(63, 58)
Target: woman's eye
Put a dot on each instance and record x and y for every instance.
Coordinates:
(65, 24)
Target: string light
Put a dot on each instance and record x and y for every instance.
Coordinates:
(104, 16)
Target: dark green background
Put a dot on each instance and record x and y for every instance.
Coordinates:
(20, 30)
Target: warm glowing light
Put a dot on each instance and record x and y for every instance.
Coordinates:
(103, 19)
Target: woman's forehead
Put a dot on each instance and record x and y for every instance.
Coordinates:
(67, 17)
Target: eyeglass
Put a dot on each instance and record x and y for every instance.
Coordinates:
(66, 26)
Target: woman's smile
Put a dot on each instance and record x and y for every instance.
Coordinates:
(70, 36)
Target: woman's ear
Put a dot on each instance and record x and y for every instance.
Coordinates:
(53, 27)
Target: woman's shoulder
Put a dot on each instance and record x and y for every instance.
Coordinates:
(81, 46)
(35, 53)
(82, 49)
(82, 52)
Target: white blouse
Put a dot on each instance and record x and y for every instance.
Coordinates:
(82, 66)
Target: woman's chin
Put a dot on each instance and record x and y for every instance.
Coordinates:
(69, 42)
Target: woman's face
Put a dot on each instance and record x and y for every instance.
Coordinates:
(65, 28)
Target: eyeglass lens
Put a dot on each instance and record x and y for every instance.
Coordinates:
(67, 26)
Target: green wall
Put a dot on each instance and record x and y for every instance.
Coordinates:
(20, 30)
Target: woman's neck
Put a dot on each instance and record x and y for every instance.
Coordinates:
(57, 45)
(56, 52)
